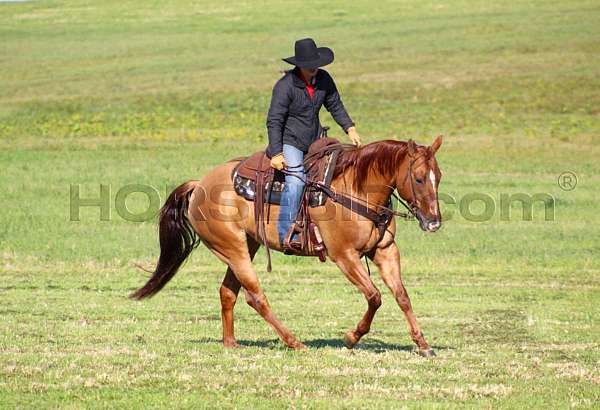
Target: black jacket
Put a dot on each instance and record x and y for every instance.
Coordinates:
(294, 116)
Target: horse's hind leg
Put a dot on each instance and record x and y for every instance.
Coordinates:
(387, 260)
(356, 273)
(239, 260)
(229, 292)
(258, 301)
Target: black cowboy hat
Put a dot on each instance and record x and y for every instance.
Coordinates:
(308, 55)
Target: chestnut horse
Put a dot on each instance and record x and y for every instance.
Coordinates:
(209, 211)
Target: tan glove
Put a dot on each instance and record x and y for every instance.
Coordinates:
(278, 162)
(353, 135)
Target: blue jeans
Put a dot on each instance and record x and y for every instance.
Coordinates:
(292, 193)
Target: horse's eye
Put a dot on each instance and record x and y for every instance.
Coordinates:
(419, 181)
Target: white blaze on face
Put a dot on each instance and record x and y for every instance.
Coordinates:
(434, 209)
(432, 177)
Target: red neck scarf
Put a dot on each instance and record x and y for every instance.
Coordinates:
(309, 86)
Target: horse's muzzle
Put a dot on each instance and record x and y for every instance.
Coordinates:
(428, 225)
(433, 226)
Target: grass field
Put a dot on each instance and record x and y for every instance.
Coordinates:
(156, 93)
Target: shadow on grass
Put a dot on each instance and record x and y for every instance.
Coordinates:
(370, 345)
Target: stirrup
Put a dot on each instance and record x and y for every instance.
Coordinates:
(292, 251)
(292, 247)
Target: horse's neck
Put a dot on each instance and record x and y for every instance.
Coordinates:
(377, 189)
(377, 165)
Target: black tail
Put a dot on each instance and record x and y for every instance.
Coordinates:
(177, 240)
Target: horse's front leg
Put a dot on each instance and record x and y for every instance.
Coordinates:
(387, 260)
(355, 272)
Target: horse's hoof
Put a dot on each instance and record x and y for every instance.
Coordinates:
(297, 345)
(427, 353)
(350, 340)
(231, 344)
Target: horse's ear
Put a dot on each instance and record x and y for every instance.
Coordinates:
(436, 144)
(412, 147)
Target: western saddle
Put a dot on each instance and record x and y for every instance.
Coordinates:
(254, 175)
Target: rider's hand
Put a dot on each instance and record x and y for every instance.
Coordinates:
(353, 135)
(278, 162)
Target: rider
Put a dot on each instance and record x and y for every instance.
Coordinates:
(293, 120)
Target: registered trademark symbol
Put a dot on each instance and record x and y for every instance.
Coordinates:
(567, 181)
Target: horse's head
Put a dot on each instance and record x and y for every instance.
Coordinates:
(417, 183)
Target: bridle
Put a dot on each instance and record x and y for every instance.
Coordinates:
(410, 206)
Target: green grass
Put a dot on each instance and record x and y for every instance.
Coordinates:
(157, 93)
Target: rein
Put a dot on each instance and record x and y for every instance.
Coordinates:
(348, 198)
(360, 206)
